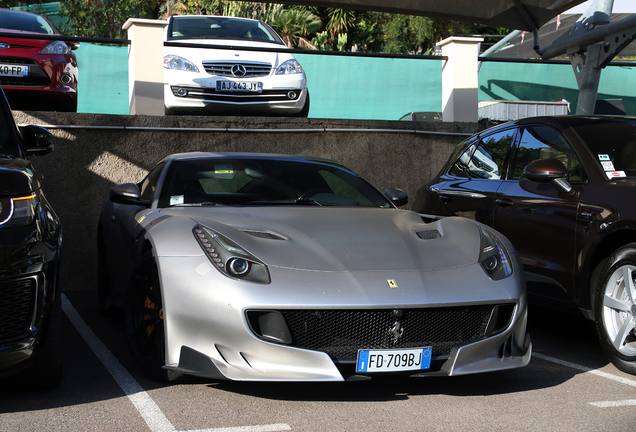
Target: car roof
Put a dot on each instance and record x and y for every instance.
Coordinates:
(183, 17)
(573, 120)
(246, 155)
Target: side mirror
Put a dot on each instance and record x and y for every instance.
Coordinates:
(548, 170)
(127, 193)
(35, 140)
(398, 197)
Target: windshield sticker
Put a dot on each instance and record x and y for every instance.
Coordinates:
(608, 166)
(603, 157)
(176, 199)
(223, 171)
(615, 174)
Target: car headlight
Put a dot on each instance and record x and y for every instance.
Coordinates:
(56, 47)
(179, 63)
(17, 212)
(493, 256)
(229, 258)
(289, 67)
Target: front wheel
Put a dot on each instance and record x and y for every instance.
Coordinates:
(615, 308)
(145, 328)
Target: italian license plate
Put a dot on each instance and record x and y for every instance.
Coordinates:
(14, 70)
(239, 86)
(394, 360)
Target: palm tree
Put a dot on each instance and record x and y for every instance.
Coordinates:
(294, 24)
(340, 21)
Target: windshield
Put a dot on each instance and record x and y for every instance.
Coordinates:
(213, 27)
(613, 144)
(265, 182)
(14, 20)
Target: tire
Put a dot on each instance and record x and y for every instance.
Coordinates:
(145, 328)
(68, 105)
(615, 308)
(305, 111)
(46, 371)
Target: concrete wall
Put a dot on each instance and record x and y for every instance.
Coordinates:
(93, 152)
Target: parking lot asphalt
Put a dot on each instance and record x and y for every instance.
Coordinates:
(569, 385)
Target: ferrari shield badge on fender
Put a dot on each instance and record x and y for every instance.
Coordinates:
(140, 220)
(392, 283)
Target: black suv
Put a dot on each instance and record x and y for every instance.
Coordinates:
(562, 190)
(30, 241)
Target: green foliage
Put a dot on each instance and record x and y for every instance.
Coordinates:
(292, 24)
(327, 28)
(342, 41)
(340, 20)
(321, 41)
(102, 18)
(260, 11)
(189, 7)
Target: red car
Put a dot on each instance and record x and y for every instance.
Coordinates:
(39, 74)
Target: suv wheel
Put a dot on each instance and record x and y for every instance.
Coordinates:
(615, 308)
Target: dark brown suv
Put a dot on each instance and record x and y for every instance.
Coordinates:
(563, 190)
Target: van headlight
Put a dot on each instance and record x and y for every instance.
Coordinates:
(289, 67)
(179, 63)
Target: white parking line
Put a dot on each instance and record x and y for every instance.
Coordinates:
(149, 410)
(613, 404)
(622, 380)
(607, 404)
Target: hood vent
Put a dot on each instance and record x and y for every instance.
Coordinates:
(264, 235)
(429, 234)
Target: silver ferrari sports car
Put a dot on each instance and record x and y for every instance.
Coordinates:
(265, 267)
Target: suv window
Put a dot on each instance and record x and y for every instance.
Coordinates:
(613, 144)
(487, 160)
(543, 142)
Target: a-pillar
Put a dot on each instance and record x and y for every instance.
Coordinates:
(145, 66)
(460, 79)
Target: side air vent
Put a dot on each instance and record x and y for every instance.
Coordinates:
(265, 235)
(429, 234)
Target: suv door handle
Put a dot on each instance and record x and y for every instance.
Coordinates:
(501, 202)
(445, 198)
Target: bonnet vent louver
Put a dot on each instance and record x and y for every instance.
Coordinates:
(265, 235)
(429, 234)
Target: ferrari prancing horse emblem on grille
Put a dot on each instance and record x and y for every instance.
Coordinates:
(392, 283)
(396, 331)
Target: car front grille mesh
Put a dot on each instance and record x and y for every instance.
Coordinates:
(341, 333)
(238, 70)
(17, 302)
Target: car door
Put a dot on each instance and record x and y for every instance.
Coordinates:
(539, 219)
(469, 187)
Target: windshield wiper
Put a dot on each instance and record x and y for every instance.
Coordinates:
(201, 204)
